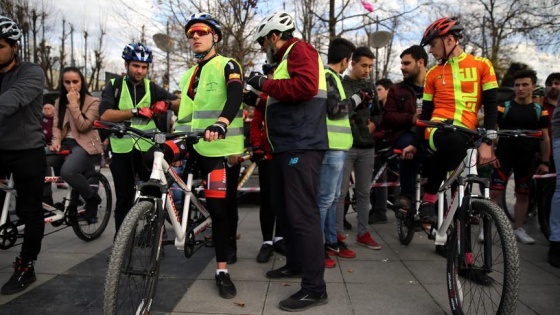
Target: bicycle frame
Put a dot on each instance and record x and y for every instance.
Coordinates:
(466, 169)
(55, 214)
(160, 168)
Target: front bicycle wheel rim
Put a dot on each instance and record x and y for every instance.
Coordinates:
(133, 269)
(484, 277)
(93, 229)
(544, 207)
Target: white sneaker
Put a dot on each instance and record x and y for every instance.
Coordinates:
(522, 236)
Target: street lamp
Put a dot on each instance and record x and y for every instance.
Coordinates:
(378, 39)
(166, 44)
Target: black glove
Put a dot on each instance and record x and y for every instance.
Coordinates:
(219, 127)
(258, 154)
(361, 99)
(250, 98)
(257, 82)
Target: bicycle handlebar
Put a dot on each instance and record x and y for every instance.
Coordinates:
(120, 130)
(478, 132)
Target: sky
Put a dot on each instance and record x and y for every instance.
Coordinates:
(88, 14)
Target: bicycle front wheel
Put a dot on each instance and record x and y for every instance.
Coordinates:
(544, 207)
(133, 271)
(93, 228)
(483, 262)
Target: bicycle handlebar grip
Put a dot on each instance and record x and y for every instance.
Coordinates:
(397, 151)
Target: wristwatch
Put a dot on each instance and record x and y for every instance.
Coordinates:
(134, 111)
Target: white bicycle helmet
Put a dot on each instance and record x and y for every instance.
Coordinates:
(279, 21)
(9, 29)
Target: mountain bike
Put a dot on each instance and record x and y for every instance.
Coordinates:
(133, 271)
(67, 211)
(482, 255)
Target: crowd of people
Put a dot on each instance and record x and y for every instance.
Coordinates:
(312, 128)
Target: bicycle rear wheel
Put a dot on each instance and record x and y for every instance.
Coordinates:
(544, 207)
(92, 229)
(483, 274)
(133, 271)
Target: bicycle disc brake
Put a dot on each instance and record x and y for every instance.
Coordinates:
(8, 235)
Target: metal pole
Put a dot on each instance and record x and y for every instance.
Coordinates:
(167, 60)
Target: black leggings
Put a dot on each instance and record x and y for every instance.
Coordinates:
(451, 149)
(268, 211)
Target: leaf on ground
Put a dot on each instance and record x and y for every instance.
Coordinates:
(240, 304)
(285, 284)
(350, 270)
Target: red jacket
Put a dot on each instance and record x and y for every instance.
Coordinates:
(258, 136)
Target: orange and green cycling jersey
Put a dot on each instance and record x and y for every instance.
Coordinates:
(455, 88)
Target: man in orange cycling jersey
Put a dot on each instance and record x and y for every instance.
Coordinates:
(454, 89)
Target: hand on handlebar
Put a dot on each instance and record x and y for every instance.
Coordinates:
(408, 152)
(145, 112)
(160, 107)
(54, 147)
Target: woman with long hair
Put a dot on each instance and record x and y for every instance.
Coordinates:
(75, 112)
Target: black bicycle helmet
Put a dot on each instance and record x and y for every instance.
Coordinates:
(207, 19)
(441, 27)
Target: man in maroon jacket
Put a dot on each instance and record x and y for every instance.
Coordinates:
(403, 105)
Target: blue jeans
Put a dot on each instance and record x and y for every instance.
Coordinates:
(329, 191)
(555, 206)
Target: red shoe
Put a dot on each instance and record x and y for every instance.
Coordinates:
(367, 241)
(341, 238)
(344, 252)
(329, 262)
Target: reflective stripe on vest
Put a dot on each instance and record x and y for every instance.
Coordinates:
(126, 143)
(281, 72)
(196, 115)
(338, 130)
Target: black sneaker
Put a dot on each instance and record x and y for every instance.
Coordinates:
(225, 286)
(427, 213)
(280, 247)
(265, 253)
(23, 276)
(283, 272)
(301, 301)
(92, 204)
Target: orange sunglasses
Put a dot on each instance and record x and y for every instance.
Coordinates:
(198, 30)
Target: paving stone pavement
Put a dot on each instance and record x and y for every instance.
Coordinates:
(393, 280)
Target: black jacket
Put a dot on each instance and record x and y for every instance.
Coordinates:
(359, 118)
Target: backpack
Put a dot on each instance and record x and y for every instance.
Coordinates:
(537, 107)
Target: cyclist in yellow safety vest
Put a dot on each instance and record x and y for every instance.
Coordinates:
(135, 99)
(339, 108)
(212, 93)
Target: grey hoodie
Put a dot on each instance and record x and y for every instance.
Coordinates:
(21, 107)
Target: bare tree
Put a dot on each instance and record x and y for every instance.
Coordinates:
(496, 28)
(98, 60)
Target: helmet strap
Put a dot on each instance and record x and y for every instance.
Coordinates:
(203, 54)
